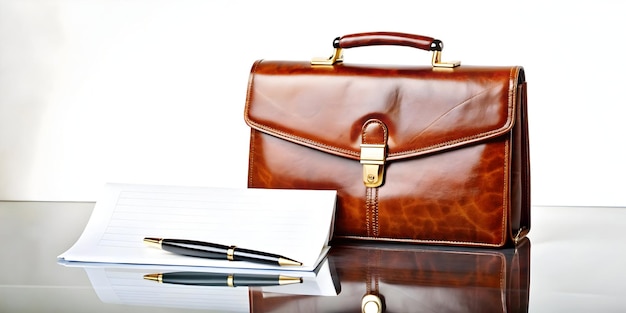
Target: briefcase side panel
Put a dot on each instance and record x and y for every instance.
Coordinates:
(520, 163)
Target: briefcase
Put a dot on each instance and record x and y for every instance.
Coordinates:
(416, 278)
(434, 154)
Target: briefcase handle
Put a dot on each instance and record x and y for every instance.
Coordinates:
(386, 39)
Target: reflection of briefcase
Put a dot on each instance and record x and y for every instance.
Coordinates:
(402, 278)
(419, 154)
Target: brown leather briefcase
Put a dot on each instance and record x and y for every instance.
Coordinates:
(426, 154)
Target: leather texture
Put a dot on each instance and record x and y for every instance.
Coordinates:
(457, 161)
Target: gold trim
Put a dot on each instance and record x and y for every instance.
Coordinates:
(288, 280)
(335, 58)
(285, 261)
(436, 61)
(153, 242)
(154, 277)
(230, 281)
(371, 304)
(373, 159)
(230, 253)
(520, 235)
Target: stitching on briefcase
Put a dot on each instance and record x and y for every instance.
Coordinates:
(371, 212)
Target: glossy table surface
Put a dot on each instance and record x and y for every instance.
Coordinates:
(574, 262)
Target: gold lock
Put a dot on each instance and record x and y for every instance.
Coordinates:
(373, 160)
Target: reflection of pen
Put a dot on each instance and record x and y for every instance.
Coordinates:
(218, 279)
(217, 251)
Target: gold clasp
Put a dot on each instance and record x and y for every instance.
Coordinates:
(373, 160)
(335, 58)
(436, 61)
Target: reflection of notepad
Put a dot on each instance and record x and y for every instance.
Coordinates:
(124, 284)
(293, 223)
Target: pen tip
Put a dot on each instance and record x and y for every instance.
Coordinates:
(155, 242)
(287, 280)
(289, 262)
(154, 277)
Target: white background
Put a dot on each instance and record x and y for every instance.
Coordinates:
(152, 91)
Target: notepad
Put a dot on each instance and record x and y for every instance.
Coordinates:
(293, 223)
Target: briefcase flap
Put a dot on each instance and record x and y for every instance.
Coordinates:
(425, 109)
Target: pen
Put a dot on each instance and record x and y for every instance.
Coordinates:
(216, 251)
(219, 279)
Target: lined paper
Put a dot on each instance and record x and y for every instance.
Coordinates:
(294, 223)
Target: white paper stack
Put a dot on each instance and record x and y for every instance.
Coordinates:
(293, 223)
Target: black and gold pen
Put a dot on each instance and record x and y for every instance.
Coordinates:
(219, 279)
(217, 251)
